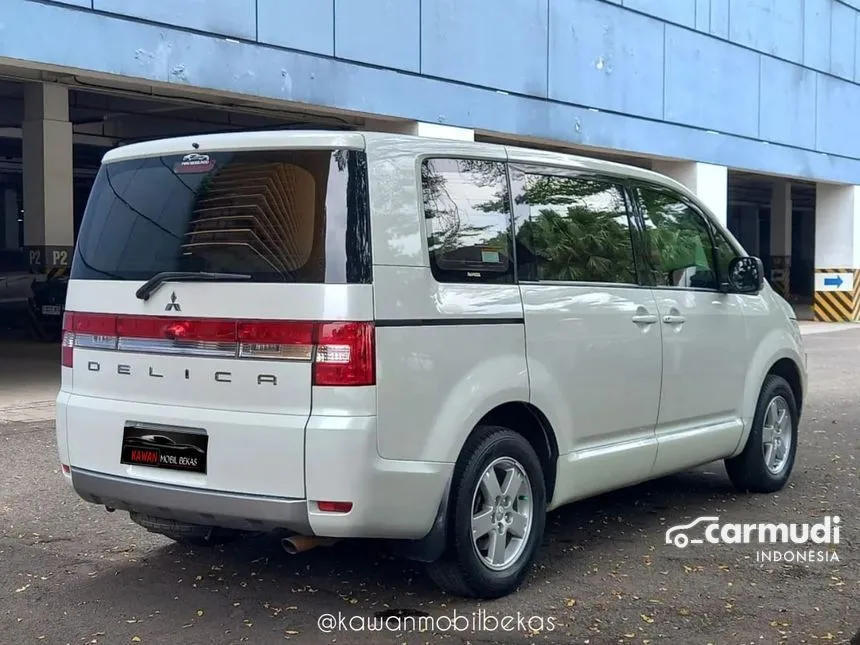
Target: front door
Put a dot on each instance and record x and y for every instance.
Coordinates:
(592, 332)
(704, 333)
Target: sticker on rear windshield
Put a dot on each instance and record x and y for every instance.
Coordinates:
(194, 162)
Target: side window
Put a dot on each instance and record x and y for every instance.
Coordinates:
(679, 251)
(467, 210)
(575, 230)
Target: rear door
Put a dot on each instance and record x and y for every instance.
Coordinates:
(592, 333)
(210, 383)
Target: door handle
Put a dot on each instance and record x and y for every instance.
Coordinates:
(644, 319)
(674, 319)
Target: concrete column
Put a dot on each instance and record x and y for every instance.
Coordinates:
(708, 182)
(748, 229)
(422, 129)
(780, 236)
(48, 167)
(10, 219)
(837, 253)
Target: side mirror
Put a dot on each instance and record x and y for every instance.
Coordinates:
(746, 275)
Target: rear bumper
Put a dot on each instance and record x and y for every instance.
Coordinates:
(195, 506)
(392, 499)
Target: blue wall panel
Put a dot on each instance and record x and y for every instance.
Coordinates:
(720, 18)
(770, 26)
(703, 15)
(711, 84)
(478, 43)
(842, 33)
(857, 47)
(787, 103)
(379, 32)
(697, 79)
(838, 125)
(816, 34)
(682, 12)
(297, 24)
(229, 17)
(603, 56)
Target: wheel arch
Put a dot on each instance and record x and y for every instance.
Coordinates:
(528, 420)
(785, 366)
(788, 369)
(519, 416)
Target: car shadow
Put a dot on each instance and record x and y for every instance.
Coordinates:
(255, 579)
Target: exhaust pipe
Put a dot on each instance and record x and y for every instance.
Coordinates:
(296, 544)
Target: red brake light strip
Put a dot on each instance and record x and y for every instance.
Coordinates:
(342, 352)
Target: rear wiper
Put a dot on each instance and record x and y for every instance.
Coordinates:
(150, 286)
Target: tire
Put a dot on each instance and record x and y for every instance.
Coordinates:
(463, 571)
(186, 534)
(749, 471)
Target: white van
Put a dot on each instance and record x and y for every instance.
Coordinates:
(366, 335)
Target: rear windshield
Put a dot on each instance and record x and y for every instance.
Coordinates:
(280, 216)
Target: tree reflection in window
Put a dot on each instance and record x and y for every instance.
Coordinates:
(679, 248)
(467, 209)
(577, 230)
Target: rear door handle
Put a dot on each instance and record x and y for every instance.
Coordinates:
(644, 319)
(674, 320)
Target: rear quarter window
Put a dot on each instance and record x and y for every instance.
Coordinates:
(467, 212)
(280, 216)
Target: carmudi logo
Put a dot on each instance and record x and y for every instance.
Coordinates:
(709, 530)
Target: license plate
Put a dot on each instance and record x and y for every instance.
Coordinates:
(51, 310)
(171, 449)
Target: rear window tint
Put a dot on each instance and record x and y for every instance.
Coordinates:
(280, 216)
(467, 209)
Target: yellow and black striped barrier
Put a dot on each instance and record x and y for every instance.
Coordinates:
(837, 295)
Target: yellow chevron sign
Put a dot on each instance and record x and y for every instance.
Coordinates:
(837, 295)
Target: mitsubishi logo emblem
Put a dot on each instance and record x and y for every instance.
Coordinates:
(173, 305)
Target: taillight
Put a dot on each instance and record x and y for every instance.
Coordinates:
(94, 331)
(342, 353)
(345, 354)
(68, 345)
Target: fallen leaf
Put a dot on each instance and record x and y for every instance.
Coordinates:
(646, 618)
(135, 639)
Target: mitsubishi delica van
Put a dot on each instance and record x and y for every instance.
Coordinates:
(433, 343)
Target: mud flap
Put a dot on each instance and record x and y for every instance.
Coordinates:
(432, 546)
